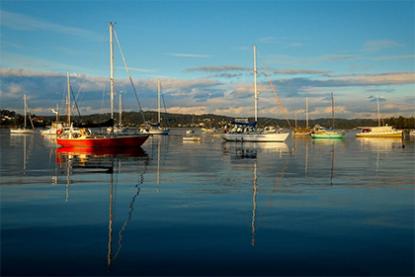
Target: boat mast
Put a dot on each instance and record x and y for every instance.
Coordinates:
(119, 109)
(306, 112)
(158, 101)
(255, 88)
(111, 72)
(68, 100)
(378, 109)
(24, 111)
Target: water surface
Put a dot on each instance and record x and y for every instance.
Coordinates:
(201, 208)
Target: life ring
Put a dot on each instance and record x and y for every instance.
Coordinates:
(59, 132)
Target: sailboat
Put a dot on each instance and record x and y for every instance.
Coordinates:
(248, 131)
(24, 130)
(156, 129)
(83, 137)
(379, 131)
(321, 133)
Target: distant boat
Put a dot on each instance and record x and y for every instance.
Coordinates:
(55, 126)
(155, 129)
(82, 137)
(322, 133)
(24, 130)
(190, 136)
(379, 131)
(248, 131)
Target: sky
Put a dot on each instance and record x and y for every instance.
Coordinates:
(202, 53)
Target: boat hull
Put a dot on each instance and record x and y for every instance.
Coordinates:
(162, 132)
(397, 134)
(278, 137)
(21, 131)
(327, 136)
(103, 142)
(155, 131)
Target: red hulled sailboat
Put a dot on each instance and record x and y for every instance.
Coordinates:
(83, 137)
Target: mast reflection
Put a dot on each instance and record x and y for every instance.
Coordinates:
(103, 161)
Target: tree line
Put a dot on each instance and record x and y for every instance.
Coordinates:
(11, 118)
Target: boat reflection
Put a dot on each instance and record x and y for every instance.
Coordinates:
(249, 150)
(254, 196)
(380, 144)
(239, 151)
(108, 162)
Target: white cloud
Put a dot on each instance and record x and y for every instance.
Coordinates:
(23, 22)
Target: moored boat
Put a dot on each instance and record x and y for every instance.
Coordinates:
(83, 137)
(248, 131)
(24, 130)
(327, 134)
(155, 128)
(379, 132)
(321, 133)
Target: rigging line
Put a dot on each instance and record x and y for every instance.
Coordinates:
(75, 102)
(129, 75)
(165, 110)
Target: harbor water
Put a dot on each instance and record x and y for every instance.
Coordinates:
(304, 207)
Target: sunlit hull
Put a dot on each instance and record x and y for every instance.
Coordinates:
(327, 136)
(191, 138)
(395, 134)
(277, 137)
(103, 142)
(156, 131)
(21, 131)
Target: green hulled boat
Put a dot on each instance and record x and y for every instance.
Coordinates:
(324, 134)
(321, 133)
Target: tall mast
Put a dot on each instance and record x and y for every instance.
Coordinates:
(119, 109)
(306, 112)
(158, 100)
(255, 88)
(68, 99)
(24, 110)
(332, 111)
(378, 108)
(111, 72)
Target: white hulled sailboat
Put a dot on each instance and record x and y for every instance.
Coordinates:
(248, 131)
(24, 130)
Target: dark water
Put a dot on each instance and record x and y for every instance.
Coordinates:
(298, 208)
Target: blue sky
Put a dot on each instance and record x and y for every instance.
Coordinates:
(202, 52)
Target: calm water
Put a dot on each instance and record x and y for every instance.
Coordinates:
(298, 208)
